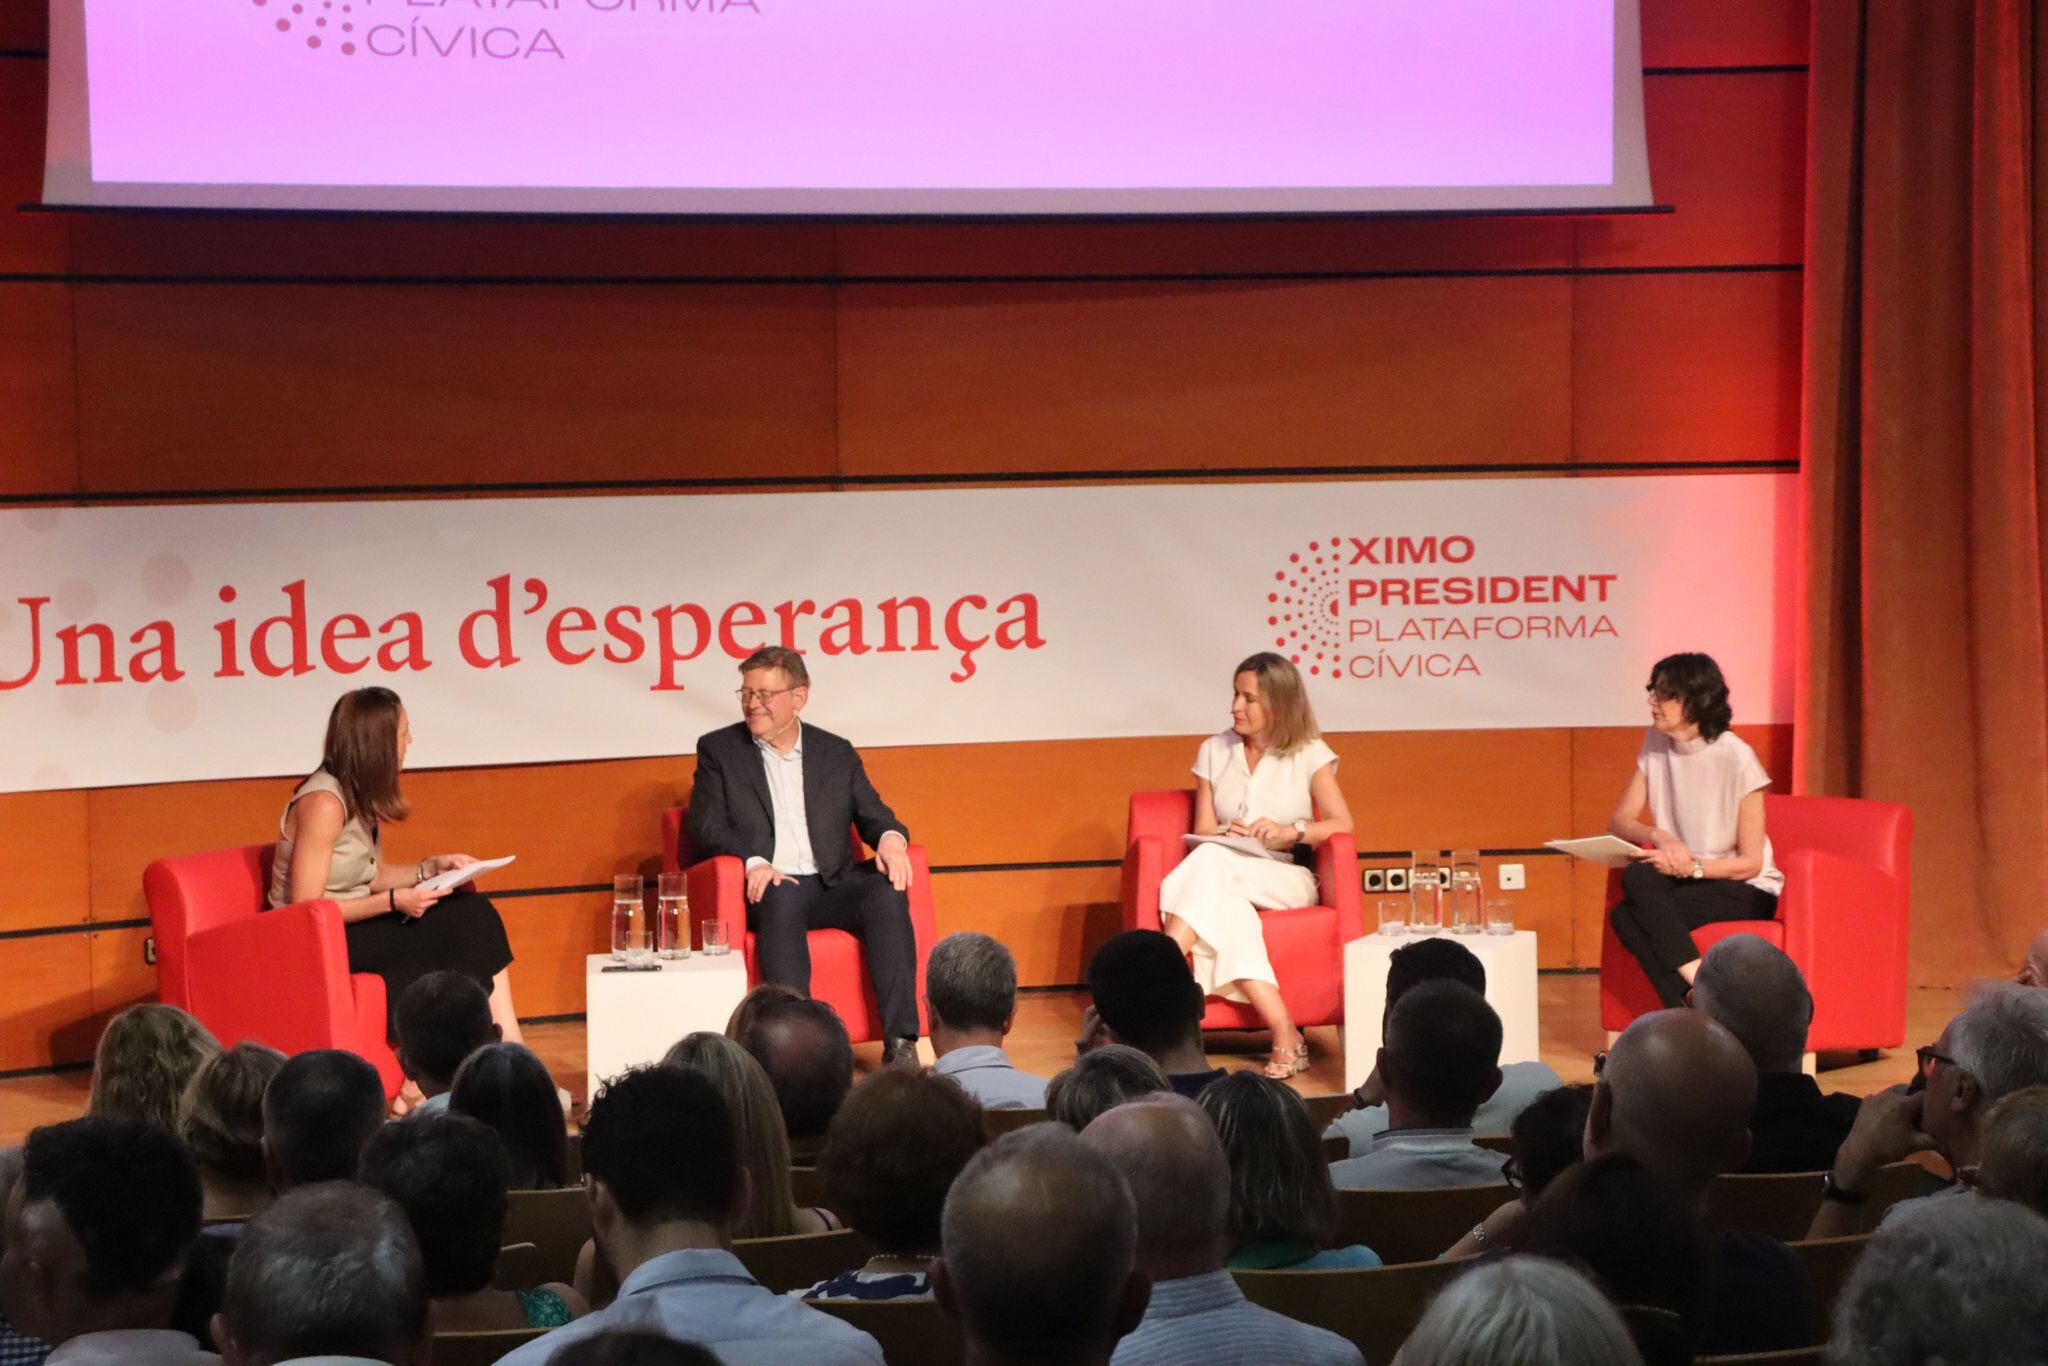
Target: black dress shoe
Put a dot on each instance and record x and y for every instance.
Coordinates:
(900, 1051)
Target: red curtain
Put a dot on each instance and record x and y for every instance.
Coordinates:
(1922, 670)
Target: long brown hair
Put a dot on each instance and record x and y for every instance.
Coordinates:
(362, 754)
(1294, 722)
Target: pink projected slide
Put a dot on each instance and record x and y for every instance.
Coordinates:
(846, 105)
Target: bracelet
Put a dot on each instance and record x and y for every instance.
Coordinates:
(419, 872)
(391, 895)
(1478, 1234)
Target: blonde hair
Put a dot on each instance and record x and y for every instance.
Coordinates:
(763, 1144)
(220, 1116)
(145, 1058)
(1294, 721)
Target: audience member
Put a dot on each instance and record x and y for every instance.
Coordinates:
(448, 1173)
(98, 1228)
(1997, 1045)
(667, 1187)
(220, 1120)
(625, 1347)
(802, 1045)
(1441, 1058)
(1429, 959)
(1548, 1137)
(893, 1152)
(2034, 971)
(1638, 1240)
(1519, 1311)
(1170, 1157)
(145, 1057)
(2013, 1159)
(1676, 1093)
(742, 1017)
(1283, 1207)
(508, 1087)
(1956, 1282)
(318, 1112)
(1101, 1079)
(1749, 986)
(16, 1347)
(970, 991)
(441, 1019)
(330, 1272)
(764, 1148)
(1039, 1239)
(1146, 996)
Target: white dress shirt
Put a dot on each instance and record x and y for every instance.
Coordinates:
(785, 773)
(132, 1347)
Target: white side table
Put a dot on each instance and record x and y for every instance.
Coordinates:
(636, 1017)
(1510, 962)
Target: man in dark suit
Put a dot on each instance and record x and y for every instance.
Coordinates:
(782, 795)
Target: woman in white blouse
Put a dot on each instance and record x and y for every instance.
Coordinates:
(1709, 858)
(1269, 778)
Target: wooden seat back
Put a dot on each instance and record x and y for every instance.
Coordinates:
(1376, 1308)
(1414, 1225)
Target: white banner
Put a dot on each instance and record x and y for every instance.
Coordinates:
(156, 644)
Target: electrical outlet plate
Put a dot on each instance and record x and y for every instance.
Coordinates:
(1511, 877)
(1373, 879)
(1397, 879)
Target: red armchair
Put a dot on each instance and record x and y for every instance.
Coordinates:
(1842, 919)
(275, 977)
(1306, 946)
(718, 891)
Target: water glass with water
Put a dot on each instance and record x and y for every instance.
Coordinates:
(1393, 914)
(672, 918)
(1425, 893)
(714, 940)
(1500, 915)
(1465, 891)
(629, 920)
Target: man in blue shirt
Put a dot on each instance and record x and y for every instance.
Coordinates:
(970, 987)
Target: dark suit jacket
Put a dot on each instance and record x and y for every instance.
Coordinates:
(731, 812)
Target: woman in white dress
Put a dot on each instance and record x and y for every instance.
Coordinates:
(1269, 778)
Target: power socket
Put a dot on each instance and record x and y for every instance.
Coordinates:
(1511, 877)
(1397, 879)
(1373, 879)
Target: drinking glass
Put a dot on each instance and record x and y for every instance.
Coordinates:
(672, 922)
(1425, 893)
(1465, 891)
(713, 933)
(627, 914)
(1393, 915)
(1500, 915)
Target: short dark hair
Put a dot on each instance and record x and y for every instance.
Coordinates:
(1280, 1187)
(1144, 991)
(1432, 958)
(971, 981)
(1549, 1135)
(448, 1173)
(442, 1018)
(803, 1047)
(632, 1347)
(662, 1141)
(1696, 681)
(779, 657)
(318, 1112)
(328, 1270)
(128, 1192)
(508, 1087)
(892, 1154)
(1442, 1051)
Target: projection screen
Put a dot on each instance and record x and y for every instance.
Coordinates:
(848, 107)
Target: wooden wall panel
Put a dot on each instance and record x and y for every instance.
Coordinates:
(24, 25)
(28, 241)
(551, 937)
(1725, 32)
(1686, 367)
(1052, 919)
(200, 387)
(44, 856)
(46, 1012)
(38, 405)
(981, 378)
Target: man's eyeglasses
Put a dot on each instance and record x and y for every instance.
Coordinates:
(1511, 1172)
(1928, 1057)
(749, 696)
(1600, 1064)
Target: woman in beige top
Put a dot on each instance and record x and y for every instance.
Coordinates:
(329, 848)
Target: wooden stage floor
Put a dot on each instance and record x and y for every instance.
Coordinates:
(1043, 1042)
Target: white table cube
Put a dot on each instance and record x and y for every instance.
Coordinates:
(1510, 962)
(636, 1017)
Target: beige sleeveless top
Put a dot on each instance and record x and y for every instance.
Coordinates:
(356, 850)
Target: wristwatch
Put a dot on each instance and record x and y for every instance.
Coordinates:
(1699, 867)
(1841, 1195)
(1300, 829)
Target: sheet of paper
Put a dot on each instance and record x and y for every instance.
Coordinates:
(455, 877)
(1243, 844)
(1609, 851)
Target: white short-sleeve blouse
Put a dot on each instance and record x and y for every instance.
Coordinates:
(1276, 791)
(1696, 791)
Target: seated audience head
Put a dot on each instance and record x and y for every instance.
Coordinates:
(442, 1018)
(508, 1087)
(660, 1151)
(1997, 1045)
(1955, 1281)
(1549, 1136)
(1676, 1094)
(1039, 1242)
(1280, 1188)
(145, 1057)
(318, 1112)
(220, 1116)
(1749, 986)
(1431, 958)
(1102, 1079)
(632, 1347)
(1145, 994)
(1519, 1311)
(763, 1147)
(802, 1045)
(970, 984)
(1168, 1153)
(742, 1017)
(98, 1228)
(1441, 1058)
(2013, 1163)
(329, 1270)
(2034, 970)
(893, 1152)
(448, 1174)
